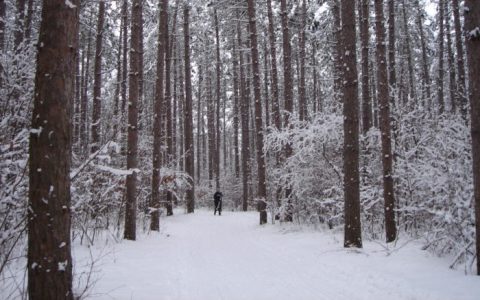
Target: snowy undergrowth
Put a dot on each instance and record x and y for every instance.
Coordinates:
(432, 172)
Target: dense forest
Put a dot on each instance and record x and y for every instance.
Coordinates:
(362, 115)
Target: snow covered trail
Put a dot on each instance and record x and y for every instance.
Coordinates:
(202, 256)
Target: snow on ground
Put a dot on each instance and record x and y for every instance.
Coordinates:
(201, 256)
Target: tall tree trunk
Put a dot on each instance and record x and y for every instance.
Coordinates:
(451, 66)
(472, 27)
(302, 101)
(262, 190)
(235, 108)
(411, 90)
(118, 85)
(365, 38)
(461, 95)
(157, 118)
(266, 83)
(392, 78)
(353, 232)
(124, 57)
(211, 129)
(426, 72)
(273, 64)
(189, 146)
(97, 85)
(199, 120)
(384, 106)
(288, 90)
(84, 102)
(244, 111)
(338, 50)
(132, 139)
(441, 34)
(49, 257)
(169, 42)
(217, 106)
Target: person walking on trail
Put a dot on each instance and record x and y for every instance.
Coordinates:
(217, 200)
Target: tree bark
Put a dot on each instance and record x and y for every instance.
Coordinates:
(461, 94)
(262, 190)
(451, 66)
(217, 105)
(411, 90)
(365, 38)
(97, 85)
(157, 118)
(384, 122)
(124, 57)
(472, 29)
(441, 34)
(338, 48)
(49, 220)
(189, 146)
(236, 76)
(353, 232)
(426, 72)
(302, 101)
(273, 63)
(392, 78)
(244, 111)
(132, 139)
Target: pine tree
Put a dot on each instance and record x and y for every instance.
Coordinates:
(472, 28)
(49, 258)
(353, 232)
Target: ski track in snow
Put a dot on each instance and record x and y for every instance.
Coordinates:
(201, 256)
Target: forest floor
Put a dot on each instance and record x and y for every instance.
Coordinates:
(201, 256)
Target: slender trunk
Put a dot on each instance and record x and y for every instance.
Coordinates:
(452, 84)
(244, 110)
(49, 220)
(118, 85)
(235, 108)
(262, 191)
(411, 92)
(472, 27)
(97, 85)
(273, 64)
(441, 101)
(125, 55)
(84, 103)
(217, 107)
(338, 50)
(461, 94)
(302, 101)
(426, 73)
(211, 129)
(132, 139)
(157, 118)
(365, 38)
(353, 232)
(384, 106)
(199, 119)
(189, 146)
(266, 82)
(392, 78)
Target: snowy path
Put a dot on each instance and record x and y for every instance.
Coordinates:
(230, 257)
